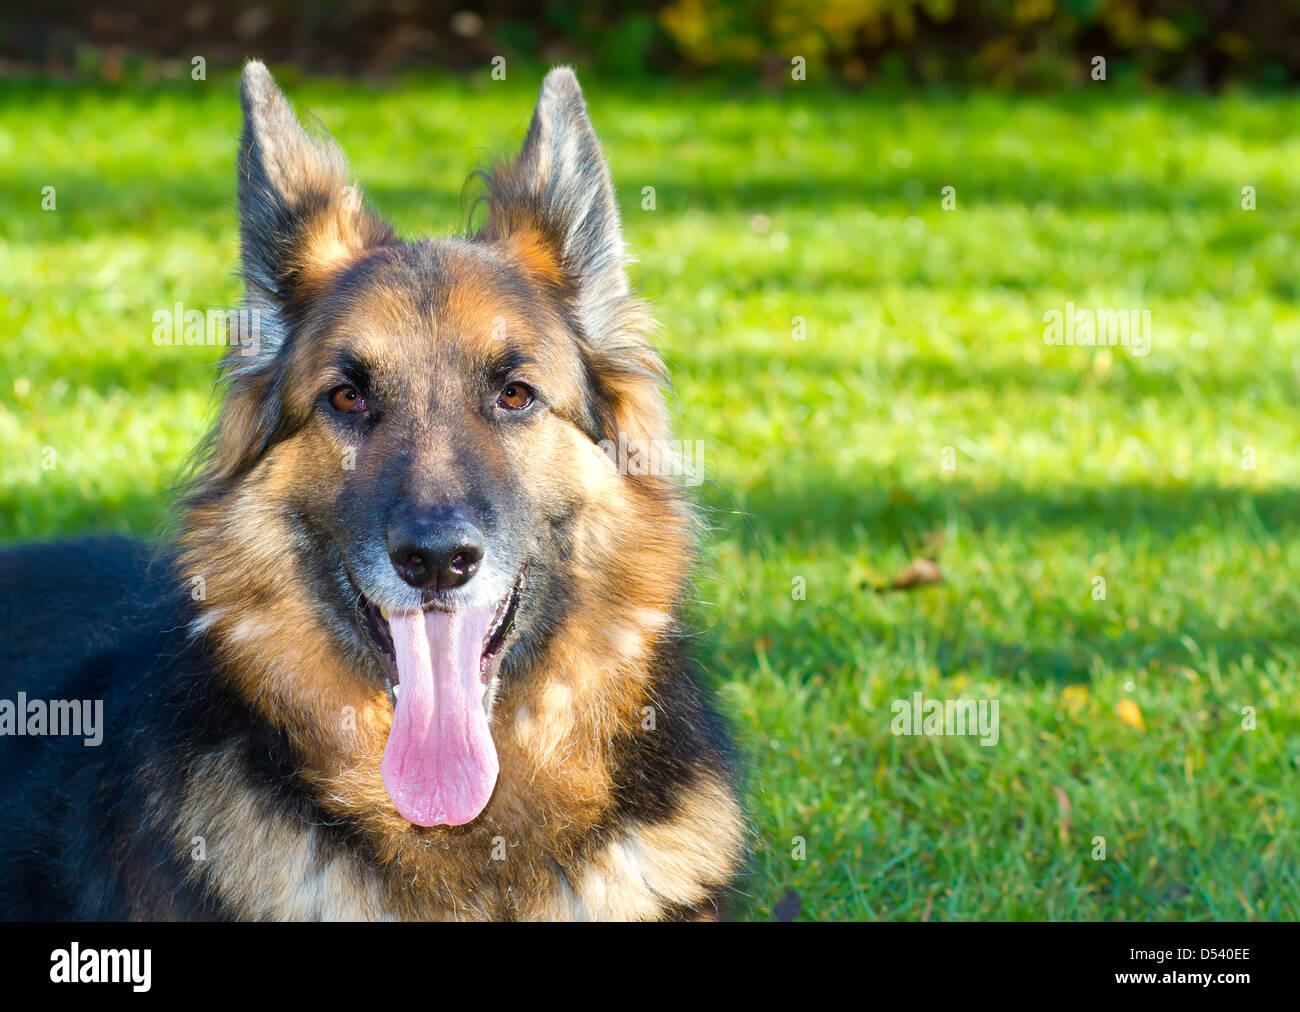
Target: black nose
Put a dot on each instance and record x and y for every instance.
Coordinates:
(436, 550)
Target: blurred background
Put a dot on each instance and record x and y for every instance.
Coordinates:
(857, 42)
(854, 219)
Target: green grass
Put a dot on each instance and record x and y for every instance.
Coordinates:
(923, 331)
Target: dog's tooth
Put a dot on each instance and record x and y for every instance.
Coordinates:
(383, 612)
(397, 688)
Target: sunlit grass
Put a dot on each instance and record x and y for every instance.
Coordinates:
(923, 331)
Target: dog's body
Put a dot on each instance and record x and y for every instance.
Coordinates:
(417, 652)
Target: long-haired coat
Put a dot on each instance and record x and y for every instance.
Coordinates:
(416, 652)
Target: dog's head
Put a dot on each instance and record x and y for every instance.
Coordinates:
(411, 457)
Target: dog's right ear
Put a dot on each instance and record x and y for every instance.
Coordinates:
(300, 220)
(300, 223)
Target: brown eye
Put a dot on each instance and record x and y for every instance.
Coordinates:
(348, 400)
(515, 397)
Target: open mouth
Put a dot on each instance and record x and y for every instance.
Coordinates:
(440, 763)
(376, 622)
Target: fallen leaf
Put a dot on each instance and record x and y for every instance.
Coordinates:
(921, 573)
(1128, 712)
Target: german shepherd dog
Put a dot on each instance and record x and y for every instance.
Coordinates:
(417, 651)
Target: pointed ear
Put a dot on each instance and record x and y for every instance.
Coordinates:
(300, 221)
(553, 207)
(552, 211)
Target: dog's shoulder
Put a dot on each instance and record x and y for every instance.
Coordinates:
(677, 838)
(67, 606)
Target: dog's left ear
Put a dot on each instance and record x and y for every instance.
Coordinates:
(300, 221)
(552, 211)
(553, 206)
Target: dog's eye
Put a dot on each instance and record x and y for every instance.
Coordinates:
(515, 397)
(347, 400)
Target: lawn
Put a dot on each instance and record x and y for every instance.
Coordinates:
(920, 414)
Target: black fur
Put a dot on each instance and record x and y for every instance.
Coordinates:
(82, 837)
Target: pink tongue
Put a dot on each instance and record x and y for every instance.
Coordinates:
(440, 764)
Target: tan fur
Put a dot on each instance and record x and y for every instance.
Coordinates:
(673, 862)
(543, 848)
(264, 865)
(535, 255)
(555, 782)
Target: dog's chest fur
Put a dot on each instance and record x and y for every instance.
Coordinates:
(261, 860)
